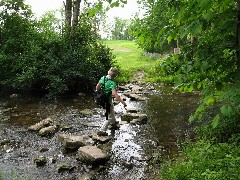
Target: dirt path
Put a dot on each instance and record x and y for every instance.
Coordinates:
(139, 76)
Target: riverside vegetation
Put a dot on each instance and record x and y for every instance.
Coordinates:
(38, 55)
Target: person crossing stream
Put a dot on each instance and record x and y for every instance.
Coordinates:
(67, 151)
(108, 86)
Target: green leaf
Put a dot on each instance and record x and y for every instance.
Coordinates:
(189, 68)
(200, 108)
(205, 64)
(196, 29)
(208, 16)
(185, 88)
(199, 85)
(92, 12)
(215, 121)
(99, 6)
(183, 33)
(227, 110)
(191, 119)
(124, 1)
(150, 1)
(204, 83)
(210, 100)
(190, 89)
(181, 88)
(204, 3)
(114, 4)
(169, 39)
(178, 81)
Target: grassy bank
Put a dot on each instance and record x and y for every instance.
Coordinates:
(131, 61)
(205, 159)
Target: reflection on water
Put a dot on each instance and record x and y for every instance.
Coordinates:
(131, 149)
(169, 115)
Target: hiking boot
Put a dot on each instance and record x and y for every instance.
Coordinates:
(102, 133)
(115, 125)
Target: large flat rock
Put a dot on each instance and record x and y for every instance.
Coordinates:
(74, 142)
(44, 123)
(92, 155)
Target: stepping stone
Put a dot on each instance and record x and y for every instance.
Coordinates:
(92, 155)
(130, 116)
(44, 123)
(102, 139)
(74, 142)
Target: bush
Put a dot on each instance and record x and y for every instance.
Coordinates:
(55, 64)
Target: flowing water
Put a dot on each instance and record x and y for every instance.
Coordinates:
(136, 150)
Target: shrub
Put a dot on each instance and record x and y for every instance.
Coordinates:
(51, 62)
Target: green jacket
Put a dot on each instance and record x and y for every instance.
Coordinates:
(109, 85)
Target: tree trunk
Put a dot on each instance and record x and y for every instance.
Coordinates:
(238, 37)
(76, 12)
(68, 15)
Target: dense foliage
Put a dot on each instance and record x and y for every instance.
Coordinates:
(35, 55)
(209, 51)
(120, 30)
(207, 31)
(148, 30)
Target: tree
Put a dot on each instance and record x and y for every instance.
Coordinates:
(120, 30)
(72, 10)
(238, 36)
(149, 31)
(49, 25)
(15, 7)
(20, 44)
(208, 32)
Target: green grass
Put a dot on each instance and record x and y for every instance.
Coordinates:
(204, 160)
(119, 45)
(130, 58)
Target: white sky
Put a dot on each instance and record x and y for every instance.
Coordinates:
(39, 7)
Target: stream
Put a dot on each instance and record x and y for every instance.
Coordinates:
(136, 151)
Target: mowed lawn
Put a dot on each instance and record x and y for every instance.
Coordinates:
(129, 56)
